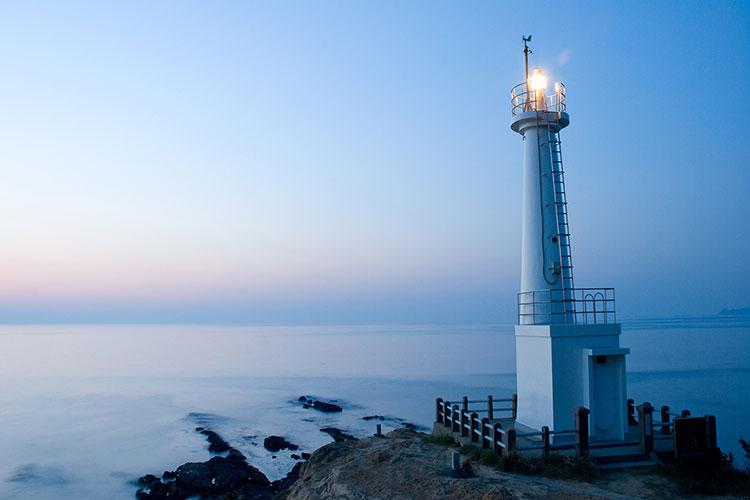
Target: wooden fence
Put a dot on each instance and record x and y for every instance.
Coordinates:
(487, 431)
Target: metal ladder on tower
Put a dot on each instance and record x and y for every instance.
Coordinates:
(561, 213)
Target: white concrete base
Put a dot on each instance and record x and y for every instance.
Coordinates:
(560, 367)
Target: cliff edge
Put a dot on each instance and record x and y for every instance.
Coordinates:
(404, 465)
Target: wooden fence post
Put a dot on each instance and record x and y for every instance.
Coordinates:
(455, 420)
(465, 404)
(497, 434)
(438, 410)
(545, 441)
(510, 441)
(446, 413)
(631, 412)
(474, 425)
(485, 432)
(665, 419)
(490, 413)
(514, 406)
(645, 420)
(582, 432)
(685, 413)
(456, 461)
(464, 423)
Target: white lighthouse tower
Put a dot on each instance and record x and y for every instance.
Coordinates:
(568, 352)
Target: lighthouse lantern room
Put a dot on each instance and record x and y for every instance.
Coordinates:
(568, 352)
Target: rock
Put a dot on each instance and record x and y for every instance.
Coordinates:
(168, 474)
(148, 479)
(225, 477)
(216, 443)
(305, 456)
(218, 475)
(276, 443)
(294, 456)
(236, 454)
(252, 492)
(337, 434)
(195, 476)
(308, 402)
(326, 407)
(374, 417)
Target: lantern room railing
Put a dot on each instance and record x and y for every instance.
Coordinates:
(523, 99)
(570, 305)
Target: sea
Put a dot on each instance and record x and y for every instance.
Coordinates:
(87, 409)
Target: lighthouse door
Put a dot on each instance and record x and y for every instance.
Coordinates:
(606, 400)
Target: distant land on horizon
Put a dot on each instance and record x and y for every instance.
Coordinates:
(743, 311)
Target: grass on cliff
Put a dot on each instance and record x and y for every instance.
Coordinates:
(554, 466)
(712, 475)
(441, 440)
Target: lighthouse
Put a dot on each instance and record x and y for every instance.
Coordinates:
(568, 352)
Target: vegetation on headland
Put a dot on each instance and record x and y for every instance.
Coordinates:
(711, 475)
(714, 474)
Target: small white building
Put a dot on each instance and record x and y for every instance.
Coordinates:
(568, 352)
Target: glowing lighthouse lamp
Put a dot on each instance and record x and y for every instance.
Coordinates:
(568, 352)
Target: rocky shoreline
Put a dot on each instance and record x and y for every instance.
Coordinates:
(228, 475)
(403, 463)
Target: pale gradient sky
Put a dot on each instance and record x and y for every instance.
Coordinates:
(312, 162)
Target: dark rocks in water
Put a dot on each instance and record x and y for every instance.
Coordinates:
(168, 474)
(216, 443)
(219, 474)
(338, 435)
(161, 491)
(231, 476)
(326, 407)
(375, 417)
(294, 456)
(276, 443)
(148, 479)
(305, 456)
(249, 492)
(322, 406)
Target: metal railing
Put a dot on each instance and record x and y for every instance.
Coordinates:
(567, 305)
(522, 99)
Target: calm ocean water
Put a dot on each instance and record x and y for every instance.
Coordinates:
(84, 410)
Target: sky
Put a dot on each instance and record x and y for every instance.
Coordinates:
(352, 162)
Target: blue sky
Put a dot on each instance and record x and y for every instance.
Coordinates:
(313, 162)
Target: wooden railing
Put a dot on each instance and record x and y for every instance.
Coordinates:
(487, 431)
(689, 436)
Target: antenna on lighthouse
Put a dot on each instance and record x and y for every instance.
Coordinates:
(526, 52)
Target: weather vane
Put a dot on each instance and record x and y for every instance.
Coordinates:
(526, 52)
